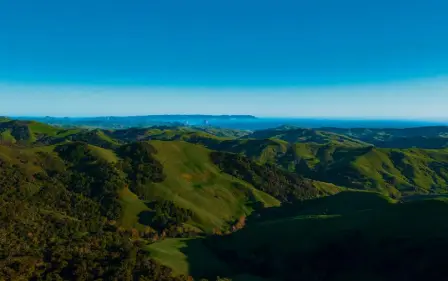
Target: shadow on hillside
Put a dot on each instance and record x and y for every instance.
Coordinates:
(338, 204)
(203, 263)
(146, 218)
(397, 242)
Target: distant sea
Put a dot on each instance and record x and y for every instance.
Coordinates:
(241, 122)
(265, 123)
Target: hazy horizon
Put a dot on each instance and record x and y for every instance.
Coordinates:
(342, 118)
(297, 121)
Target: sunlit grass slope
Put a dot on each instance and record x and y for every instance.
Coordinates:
(193, 182)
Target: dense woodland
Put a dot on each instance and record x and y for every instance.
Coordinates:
(52, 232)
(165, 216)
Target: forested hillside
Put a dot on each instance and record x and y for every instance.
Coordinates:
(183, 203)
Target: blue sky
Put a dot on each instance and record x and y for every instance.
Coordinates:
(324, 58)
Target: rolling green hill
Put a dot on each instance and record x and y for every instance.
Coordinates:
(195, 183)
(421, 137)
(391, 171)
(324, 156)
(300, 135)
(192, 134)
(192, 182)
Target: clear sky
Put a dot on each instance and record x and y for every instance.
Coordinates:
(319, 58)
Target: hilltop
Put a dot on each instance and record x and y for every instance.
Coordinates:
(301, 135)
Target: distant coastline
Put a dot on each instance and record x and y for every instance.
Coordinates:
(238, 122)
(158, 116)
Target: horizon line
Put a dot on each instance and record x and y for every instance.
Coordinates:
(360, 118)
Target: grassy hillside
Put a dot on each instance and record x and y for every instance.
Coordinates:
(324, 156)
(192, 182)
(392, 171)
(261, 150)
(300, 135)
(192, 134)
(195, 183)
(421, 137)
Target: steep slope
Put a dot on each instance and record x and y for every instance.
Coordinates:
(195, 183)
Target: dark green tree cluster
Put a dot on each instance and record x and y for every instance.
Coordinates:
(94, 137)
(140, 166)
(165, 215)
(92, 177)
(281, 184)
(18, 129)
(50, 232)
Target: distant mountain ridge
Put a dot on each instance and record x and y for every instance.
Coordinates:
(116, 122)
(156, 116)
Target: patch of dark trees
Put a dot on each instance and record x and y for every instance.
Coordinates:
(50, 230)
(165, 215)
(140, 166)
(281, 184)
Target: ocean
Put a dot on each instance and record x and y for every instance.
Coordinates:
(266, 123)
